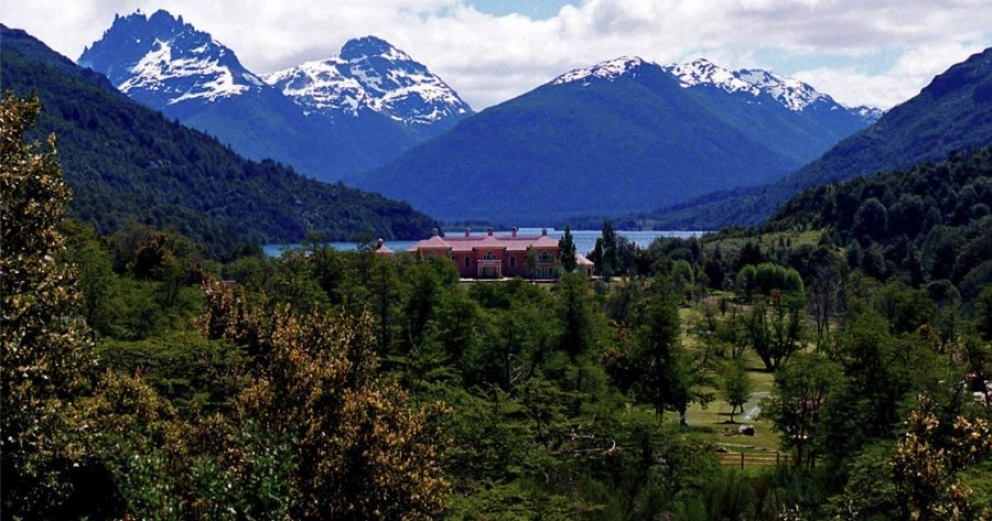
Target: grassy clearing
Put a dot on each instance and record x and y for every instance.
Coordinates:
(714, 423)
(790, 238)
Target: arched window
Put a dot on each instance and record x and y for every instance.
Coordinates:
(490, 255)
(468, 261)
(545, 256)
(513, 262)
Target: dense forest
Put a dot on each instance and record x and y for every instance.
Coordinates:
(144, 378)
(930, 224)
(128, 165)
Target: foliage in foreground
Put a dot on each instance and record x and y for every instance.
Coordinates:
(308, 429)
(327, 384)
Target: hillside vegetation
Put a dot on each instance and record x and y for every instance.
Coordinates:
(952, 113)
(127, 164)
(928, 224)
(348, 385)
(603, 147)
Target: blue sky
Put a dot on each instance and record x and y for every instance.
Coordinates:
(535, 9)
(878, 52)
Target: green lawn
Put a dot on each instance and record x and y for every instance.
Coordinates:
(714, 423)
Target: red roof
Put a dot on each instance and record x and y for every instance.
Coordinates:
(491, 241)
(463, 244)
(518, 243)
(434, 243)
(460, 243)
(544, 242)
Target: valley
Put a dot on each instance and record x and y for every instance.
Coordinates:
(630, 291)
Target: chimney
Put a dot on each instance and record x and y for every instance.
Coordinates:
(490, 230)
(514, 231)
(544, 232)
(379, 243)
(468, 232)
(434, 232)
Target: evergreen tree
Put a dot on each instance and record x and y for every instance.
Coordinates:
(665, 378)
(576, 316)
(566, 248)
(605, 255)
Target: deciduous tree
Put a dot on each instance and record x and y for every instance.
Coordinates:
(362, 451)
(927, 464)
(736, 387)
(46, 346)
(801, 386)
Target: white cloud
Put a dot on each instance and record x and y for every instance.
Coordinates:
(489, 59)
(911, 72)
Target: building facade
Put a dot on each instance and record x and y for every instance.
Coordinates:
(495, 256)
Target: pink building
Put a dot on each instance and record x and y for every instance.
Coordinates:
(494, 256)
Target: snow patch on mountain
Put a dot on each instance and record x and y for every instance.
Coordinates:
(167, 61)
(704, 72)
(370, 75)
(792, 94)
(609, 70)
(869, 113)
(164, 61)
(160, 71)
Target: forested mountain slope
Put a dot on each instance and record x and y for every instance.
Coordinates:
(127, 163)
(926, 224)
(621, 136)
(954, 112)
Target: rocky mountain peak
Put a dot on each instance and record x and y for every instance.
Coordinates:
(369, 46)
(610, 70)
(371, 75)
(162, 60)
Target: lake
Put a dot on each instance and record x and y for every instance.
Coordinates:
(585, 240)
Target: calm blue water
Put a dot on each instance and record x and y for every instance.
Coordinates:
(585, 240)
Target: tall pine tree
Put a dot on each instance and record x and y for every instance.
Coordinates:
(566, 248)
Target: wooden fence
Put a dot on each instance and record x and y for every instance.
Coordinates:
(752, 459)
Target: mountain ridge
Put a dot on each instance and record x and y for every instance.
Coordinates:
(794, 94)
(952, 113)
(353, 78)
(169, 65)
(623, 133)
(127, 163)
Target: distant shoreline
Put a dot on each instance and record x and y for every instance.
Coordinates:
(585, 240)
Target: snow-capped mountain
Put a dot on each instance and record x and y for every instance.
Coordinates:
(371, 75)
(160, 60)
(871, 114)
(759, 85)
(610, 70)
(793, 94)
(623, 135)
(755, 86)
(329, 119)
